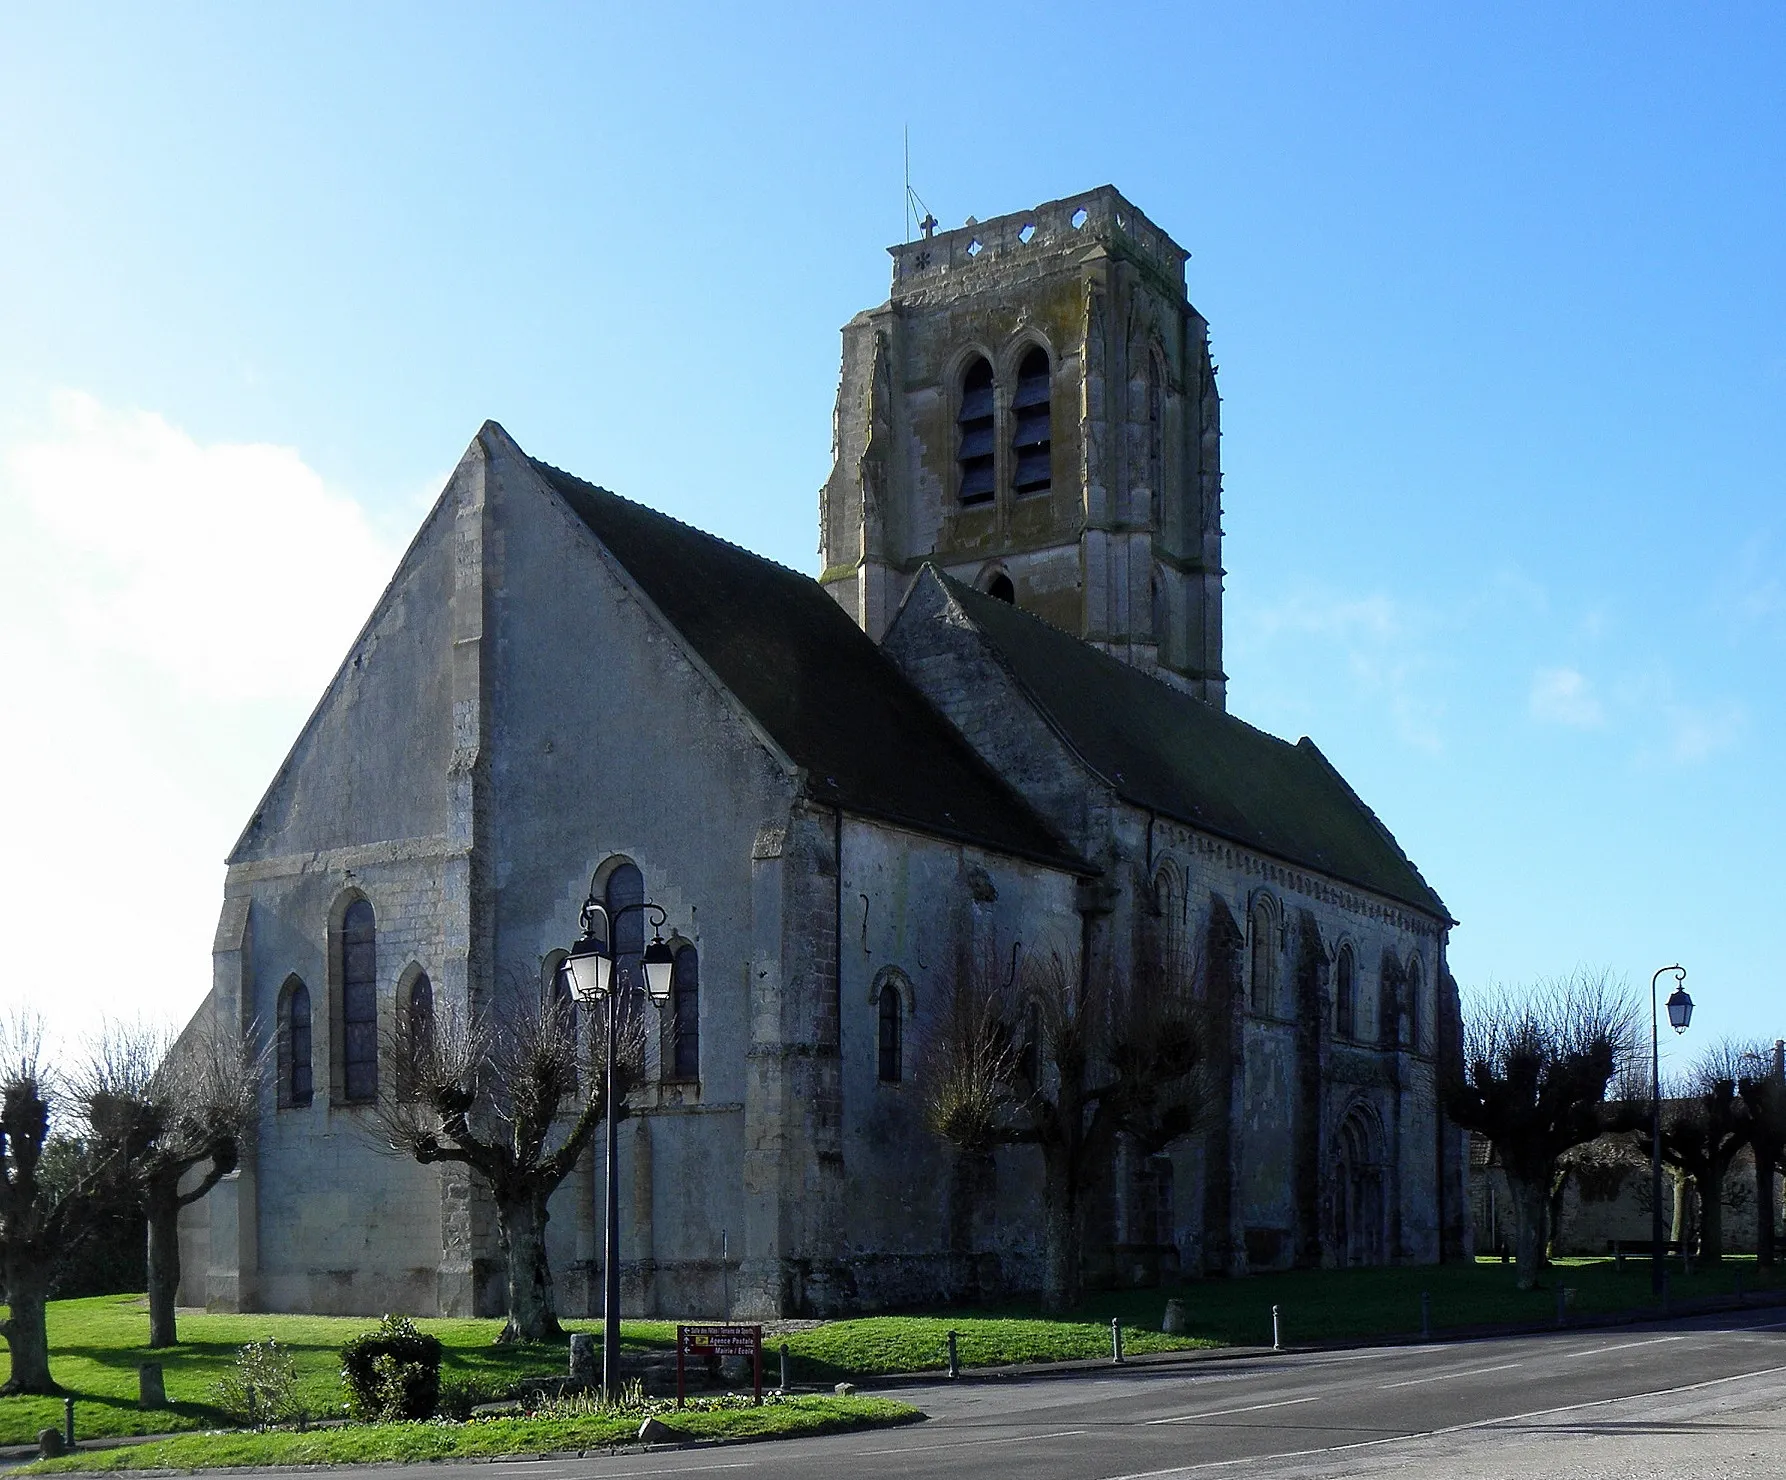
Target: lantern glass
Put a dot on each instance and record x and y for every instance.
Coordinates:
(590, 968)
(1680, 1010)
(660, 970)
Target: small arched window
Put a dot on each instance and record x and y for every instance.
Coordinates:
(999, 588)
(892, 1035)
(976, 447)
(1264, 964)
(1345, 995)
(1170, 903)
(685, 1015)
(418, 1033)
(297, 1080)
(1032, 438)
(359, 1002)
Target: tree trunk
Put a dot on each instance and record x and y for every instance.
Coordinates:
(28, 1286)
(1060, 1231)
(1553, 1218)
(1677, 1228)
(1530, 1203)
(164, 1270)
(532, 1314)
(1711, 1217)
(1764, 1210)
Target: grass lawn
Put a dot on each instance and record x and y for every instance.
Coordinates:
(95, 1344)
(1314, 1305)
(785, 1419)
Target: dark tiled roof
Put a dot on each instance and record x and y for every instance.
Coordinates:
(867, 740)
(1164, 750)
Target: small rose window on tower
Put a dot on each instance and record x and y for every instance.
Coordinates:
(975, 453)
(1032, 439)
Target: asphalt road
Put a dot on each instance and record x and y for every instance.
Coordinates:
(1703, 1397)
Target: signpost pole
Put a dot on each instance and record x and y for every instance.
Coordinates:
(681, 1347)
(757, 1345)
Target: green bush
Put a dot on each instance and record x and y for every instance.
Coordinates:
(392, 1372)
(260, 1390)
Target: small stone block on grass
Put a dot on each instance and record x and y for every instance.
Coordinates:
(150, 1390)
(1176, 1322)
(655, 1431)
(845, 1389)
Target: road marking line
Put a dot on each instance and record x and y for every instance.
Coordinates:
(1224, 1412)
(1622, 1346)
(1448, 1376)
(1484, 1423)
(973, 1443)
(750, 1464)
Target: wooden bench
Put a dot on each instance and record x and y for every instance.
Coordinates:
(1619, 1247)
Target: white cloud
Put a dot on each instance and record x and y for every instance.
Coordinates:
(1563, 696)
(169, 611)
(230, 568)
(1697, 733)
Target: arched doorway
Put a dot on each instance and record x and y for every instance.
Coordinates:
(1360, 1206)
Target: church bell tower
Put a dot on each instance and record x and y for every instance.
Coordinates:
(1034, 409)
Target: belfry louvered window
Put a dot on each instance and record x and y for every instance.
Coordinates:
(1032, 440)
(975, 452)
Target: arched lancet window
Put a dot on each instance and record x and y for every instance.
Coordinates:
(975, 449)
(1170, 901)
(892, 1035)
(1264, 964)
(685, 1015)
(1345, 995)
(296, 1080)
(624, 893)
(359, 1002)
(1389, 980)
(1156, 439)
(1412, 999)
(1001, 589)
(1032, 437)
(418, 1032)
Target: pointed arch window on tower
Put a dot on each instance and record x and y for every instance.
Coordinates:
(1412, 996)
(1032, 440)
(975, 451)
(1345, 995)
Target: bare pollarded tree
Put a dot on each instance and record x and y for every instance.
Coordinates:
(515, 1095)
(42, 1215)
(1704, 1126)
(159, 1108)
(1042, 1054)
(1761, 1081)
(1536, 1065)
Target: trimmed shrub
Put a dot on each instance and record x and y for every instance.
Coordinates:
(260, 1390)
(392, 1372)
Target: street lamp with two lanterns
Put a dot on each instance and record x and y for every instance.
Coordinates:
(590, 969)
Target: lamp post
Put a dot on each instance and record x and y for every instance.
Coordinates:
(590, 966)
(1680, 1013)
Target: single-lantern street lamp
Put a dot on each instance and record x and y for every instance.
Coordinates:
(590, 969)
(1680, 1013)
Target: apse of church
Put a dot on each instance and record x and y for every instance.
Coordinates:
(1035, 410)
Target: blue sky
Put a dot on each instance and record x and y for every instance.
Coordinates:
(1497, 294)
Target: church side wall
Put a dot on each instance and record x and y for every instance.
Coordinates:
(923, 1221)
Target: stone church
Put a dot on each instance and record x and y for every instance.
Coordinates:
(996, 722)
